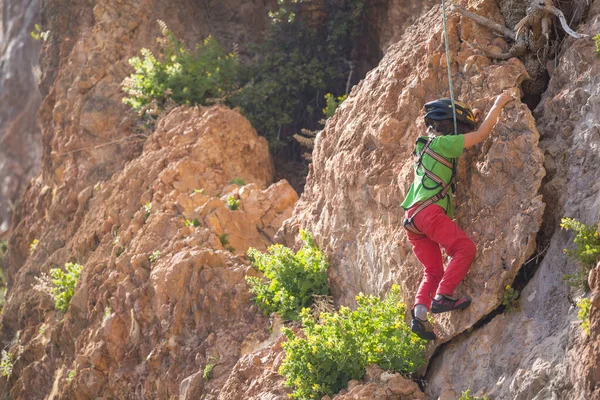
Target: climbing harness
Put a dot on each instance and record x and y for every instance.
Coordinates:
(408, 222)
(453, 165)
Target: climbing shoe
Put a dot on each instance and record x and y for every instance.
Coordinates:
(446, 304)
(419, 327)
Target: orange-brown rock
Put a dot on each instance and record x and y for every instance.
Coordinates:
(362, 168)
(163, 292)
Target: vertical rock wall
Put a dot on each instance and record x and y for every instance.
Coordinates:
(362, 168)
(540, 351)
(20, 145)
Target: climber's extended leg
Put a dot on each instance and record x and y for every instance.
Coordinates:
(439, 228)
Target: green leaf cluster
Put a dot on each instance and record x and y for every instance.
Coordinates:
(597, 43)
(587, 251)
(332, 103)
(466, 395)
(6, 364)
(326, 355)
(232, 203)
(585, 305)
(509, 299)
(181, 75)
(290, 280)
(63, 284)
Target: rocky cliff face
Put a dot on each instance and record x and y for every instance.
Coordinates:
(110, 197)
(20, 98)
(158, 299)
(362, 169)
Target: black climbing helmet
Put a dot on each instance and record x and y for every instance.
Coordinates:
(441, 109)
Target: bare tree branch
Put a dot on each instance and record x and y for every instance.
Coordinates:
(484, 21)
(563, 22)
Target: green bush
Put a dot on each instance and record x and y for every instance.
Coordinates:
(64, 284)
(587, 251)
(332, 103)
(585, 305)
(597, 42)
(466, 395)
(510, 299)
(60, 284)
(290, 280)
(184, 76)
(232, 203)
(322, 359)
(6, 364)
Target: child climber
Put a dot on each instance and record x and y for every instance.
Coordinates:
(429, 207)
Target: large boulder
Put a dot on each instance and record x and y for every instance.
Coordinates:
(540, 351)
(362, 169)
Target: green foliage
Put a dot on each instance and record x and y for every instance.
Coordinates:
(466, 395)
(71, 375)
(238, 181)
(181, 75)
(201, 191)
(587, 251)
(328, 354)
(223, 239)
(107, 313)
(597, 43)
(33, 245)
(302, 58)
(232, 203)
(64, 284)
(37, 33)
(332, 103)
(208, 371)
(193, 222)
(120, 250)
(291, 279)
(6, 364)
(509, 299)
(585, 305)
(154, 256)
(42, 329)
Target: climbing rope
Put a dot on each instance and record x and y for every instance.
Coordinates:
(455, 164)
(448, 63)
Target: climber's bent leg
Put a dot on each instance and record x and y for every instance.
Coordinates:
(441, 229)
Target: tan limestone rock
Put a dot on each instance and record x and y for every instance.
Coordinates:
(155, 288)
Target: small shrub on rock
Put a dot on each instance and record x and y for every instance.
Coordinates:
(510, 299)
(587, 251)
(325, 356)
(290, 280)
(181, 75)
(466, 395)
(60, 284)
(585, 305)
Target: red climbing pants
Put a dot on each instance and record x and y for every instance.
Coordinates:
(439, 229)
